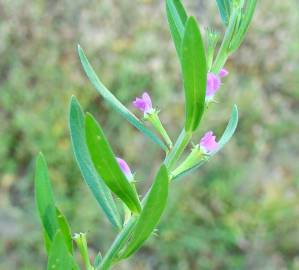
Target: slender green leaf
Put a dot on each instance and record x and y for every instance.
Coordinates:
(224, 7)
(225, 138)
(47, 241)
(59, 257)
(97, 260)
(194, 70)
(177, 18)
(44, 198)
(114, 102)
(65, 230)
(52, 219)
(243, 26)
(153, 208)
(95, 183)
(107, 166)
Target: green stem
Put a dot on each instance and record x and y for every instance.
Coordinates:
(223, 52)
(178, 149)
(155, 121)
(81, 242)
(118, 243)
(194, 157)
(124, 235)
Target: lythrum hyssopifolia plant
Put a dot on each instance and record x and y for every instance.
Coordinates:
(109, 177)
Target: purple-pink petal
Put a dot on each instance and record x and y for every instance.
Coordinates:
(147, 99)
(208, 142)
(125, 168)
(213, 84)
(144, 103)
(223, 73)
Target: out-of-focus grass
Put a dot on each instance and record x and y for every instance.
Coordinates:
(238, 212)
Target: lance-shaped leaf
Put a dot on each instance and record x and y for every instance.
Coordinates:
(44, 198)
(194, 70)
(224, 7)
(177, 18)
(59, 256)
(154, 206)
(225, 138)
(65, 230)
(95, 183)
(114, 102)
(242, 27)
(51, 218)
(106, 165)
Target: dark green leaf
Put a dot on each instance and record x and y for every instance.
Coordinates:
(47, 241)
(177, 18)
(65, 230)
(44, 198)
(97, 261)
(153, 208)
(225, 138)
(96, 185)
(114, 102)
(52, 219)
(194, 74)
(106, 165)
(59, 257)
(224, 7)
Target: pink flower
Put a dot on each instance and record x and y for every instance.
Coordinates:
(144, 103)
(223, 73)
(208, 142)
(125, 168)
(214, 83)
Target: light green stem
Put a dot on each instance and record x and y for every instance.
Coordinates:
(223, 52)
(117, 245)
(178, 149)
(81, 242)
(124, 235)
(155, 121)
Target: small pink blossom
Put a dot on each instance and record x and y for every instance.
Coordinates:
(144, 103)
(214, 83)
(125, 168)
(223, 73)
(208, 142)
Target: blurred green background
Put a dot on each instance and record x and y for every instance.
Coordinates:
(240, 211)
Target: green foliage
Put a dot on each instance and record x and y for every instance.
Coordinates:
(44, 198)
(241, 210)
(194, 74)
(52, 219)
(154, 205)
(106, 165)
(113, 101)
(65, 229)
(93, 180)
(177, 18)
(59, 256)
(224, 7)
(225, 138)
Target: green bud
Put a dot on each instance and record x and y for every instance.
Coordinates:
(80, 239)
(194, 157)
(154, 119)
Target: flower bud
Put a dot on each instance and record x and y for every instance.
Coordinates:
(125, 169)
